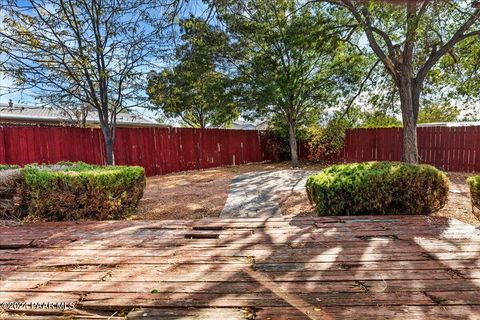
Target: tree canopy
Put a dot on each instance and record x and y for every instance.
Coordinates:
(380, 119)
(438, 113)
(197, 90)
(292, 60)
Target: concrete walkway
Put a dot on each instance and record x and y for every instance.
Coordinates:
(252, 195)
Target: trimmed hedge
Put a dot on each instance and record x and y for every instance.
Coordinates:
(379, 188)
(474, 186)
(74, 191)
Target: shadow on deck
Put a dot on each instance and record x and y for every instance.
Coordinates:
(395, 267)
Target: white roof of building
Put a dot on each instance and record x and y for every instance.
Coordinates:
(22, 112)
(450, 124)
(243, 125)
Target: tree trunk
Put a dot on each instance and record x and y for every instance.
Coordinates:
(410, 103)
(292, 139)
(410, 149)
(109, 144)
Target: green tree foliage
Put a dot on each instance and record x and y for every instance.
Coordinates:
(438, 113)
(197, 90)
(380, 119)
(290, 58)
(458, 78)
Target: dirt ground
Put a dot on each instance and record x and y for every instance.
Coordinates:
(199, 194)
(195, 194)
(459, 205)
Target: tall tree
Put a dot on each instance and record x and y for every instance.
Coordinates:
(290, 58)
(410, 40)
(198, 89)
(79, 52)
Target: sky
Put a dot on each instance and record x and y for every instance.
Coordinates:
(5, 96)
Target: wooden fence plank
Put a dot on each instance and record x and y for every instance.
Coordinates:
(165, 150)
(3, 158)
(451, 149)
(158, 150)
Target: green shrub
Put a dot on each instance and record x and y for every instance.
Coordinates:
(67, 191)
(381, 188)
(474, 185)
(326, 143)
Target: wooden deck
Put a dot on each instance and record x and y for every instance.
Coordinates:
(278, 268)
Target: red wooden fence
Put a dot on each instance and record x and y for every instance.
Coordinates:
(158, 150)
(448, 148)
(165, 150)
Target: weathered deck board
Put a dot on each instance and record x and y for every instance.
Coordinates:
(304, 268)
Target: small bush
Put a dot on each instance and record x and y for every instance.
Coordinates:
(326, 143)
(81, 191)
(381, 188)
(474, 185)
